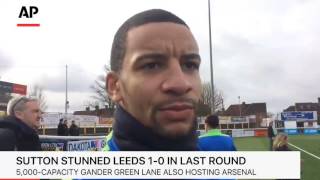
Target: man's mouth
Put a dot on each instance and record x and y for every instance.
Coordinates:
(177, 106)
(177, 111)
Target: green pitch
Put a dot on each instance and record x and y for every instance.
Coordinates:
(308, 143)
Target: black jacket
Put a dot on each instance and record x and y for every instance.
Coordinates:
(16, 135)
(283, 148)
(270, 132)
(61, 130)
(74, 130)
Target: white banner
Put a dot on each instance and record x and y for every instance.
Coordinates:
(83, 120)
(150, 165)
(52, 119)
(242, 133)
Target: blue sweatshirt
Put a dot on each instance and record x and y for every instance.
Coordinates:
(214, 140)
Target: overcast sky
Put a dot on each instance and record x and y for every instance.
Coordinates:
(263, 50)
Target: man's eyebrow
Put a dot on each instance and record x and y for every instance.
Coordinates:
(191, 56)
(154, 56)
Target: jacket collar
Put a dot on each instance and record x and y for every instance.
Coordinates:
(18, 125)
(131, 135)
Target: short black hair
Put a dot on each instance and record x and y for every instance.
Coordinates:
(212, 121)
(119, 42)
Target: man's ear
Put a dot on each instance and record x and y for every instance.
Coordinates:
(113, 86)
(19, 114)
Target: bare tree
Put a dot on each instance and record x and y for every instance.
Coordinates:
(270, 115)
(207, 97)
(91, 103)
(37, 92)
(101, 95)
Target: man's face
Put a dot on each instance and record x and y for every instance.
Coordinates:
(159, 82)
(31, 115)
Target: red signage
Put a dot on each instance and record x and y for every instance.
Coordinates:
(19, 89)
(7, 87)
(261, 133)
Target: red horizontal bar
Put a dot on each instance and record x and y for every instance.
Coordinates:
(28, 25)
(19, 179)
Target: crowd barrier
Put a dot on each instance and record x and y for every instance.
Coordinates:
(263, 132)
(72, 143)
(96, 143)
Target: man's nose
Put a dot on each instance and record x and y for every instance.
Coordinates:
(40, 114)
(177, 81)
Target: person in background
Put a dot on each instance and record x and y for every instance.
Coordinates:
(19, 130)
(280, 143)
(65, 128)
(214, 140)
(74, 129)
(61, 129)
(270, 136)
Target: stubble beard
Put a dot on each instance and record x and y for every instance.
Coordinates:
(162, 130)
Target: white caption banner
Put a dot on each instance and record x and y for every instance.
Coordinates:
(150, 165)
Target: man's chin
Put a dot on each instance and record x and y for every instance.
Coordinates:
(174, 130)
(36, 127)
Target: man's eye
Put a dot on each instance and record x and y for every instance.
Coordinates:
(191, 66)
(151, 66)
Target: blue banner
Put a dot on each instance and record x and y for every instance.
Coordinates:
(298, 115)
(310, 131)
(291, 131)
